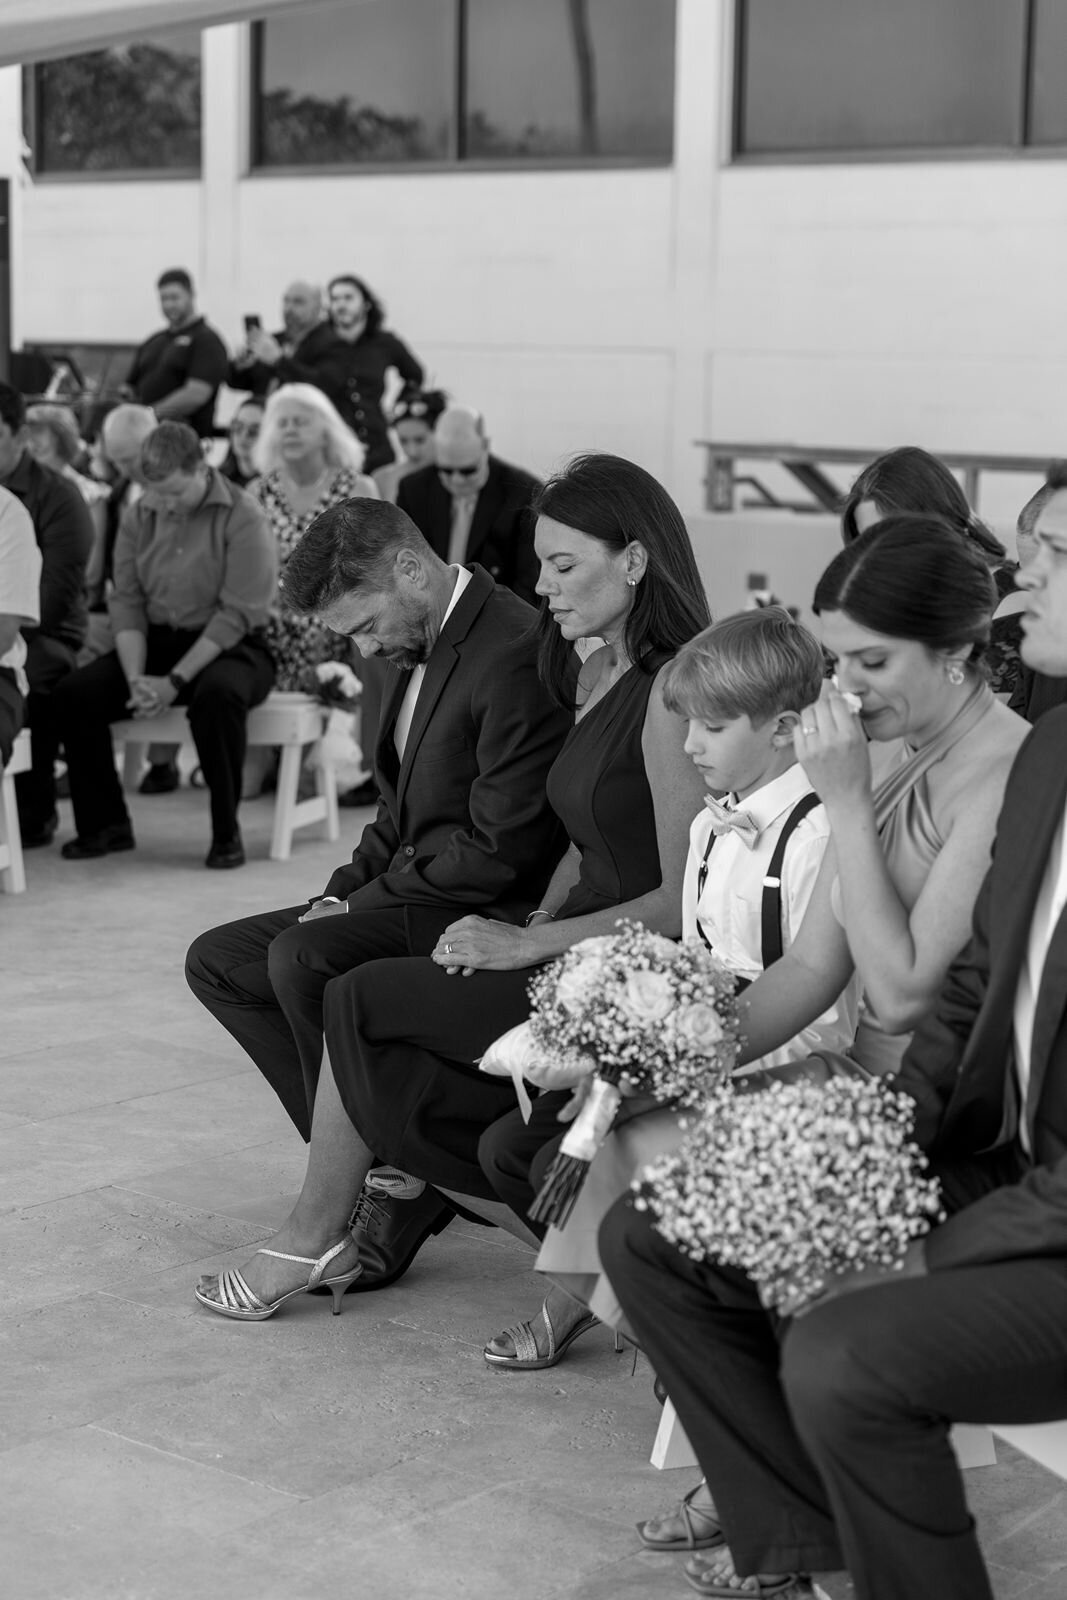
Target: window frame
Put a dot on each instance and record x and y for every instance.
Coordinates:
(852, 155)
(32, 123)
(457, 160)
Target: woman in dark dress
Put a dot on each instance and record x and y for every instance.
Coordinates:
(402, 1035)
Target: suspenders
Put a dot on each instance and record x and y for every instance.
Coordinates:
(771, 908)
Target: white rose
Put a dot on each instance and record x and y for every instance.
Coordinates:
(648, 996)
(699, 1027)
(577, 985)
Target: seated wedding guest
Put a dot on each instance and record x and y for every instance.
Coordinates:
(401, 1034)
(123, 432)
(910, 479)
(309, 462)
(20, 600)
(64, 532)
(238, 464)
(287, 356)
(1034, 693)
(52, 438)
(471, 506)
(741, 686)
(467, 739)
(825, 1437)
(195, 576)
(413, 419)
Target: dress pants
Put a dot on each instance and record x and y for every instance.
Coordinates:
(516, 1155)
(219, 700)
(48, 662)
(264, 978)
(12, 713)
(825, 1439)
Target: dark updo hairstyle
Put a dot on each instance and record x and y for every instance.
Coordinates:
(418, 405)
(618, 503)
(913, 577)
(911, 479)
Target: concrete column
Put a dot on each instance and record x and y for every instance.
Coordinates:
(225, 99)
(13, 167)
(700, 147)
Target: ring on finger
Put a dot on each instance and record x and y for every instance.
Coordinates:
(806, 727)
(448, 949)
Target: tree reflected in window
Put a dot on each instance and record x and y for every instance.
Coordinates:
(135, 107)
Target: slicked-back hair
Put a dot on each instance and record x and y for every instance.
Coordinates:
(617, 503)
(753, 664)
(913, 578)
(1055, 481)
(170, 447)
(352, 546)
(910, 479)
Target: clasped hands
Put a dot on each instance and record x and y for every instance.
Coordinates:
(479, 944)
(149, 696)
(831, 746)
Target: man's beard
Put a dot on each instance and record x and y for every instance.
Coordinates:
(416, 648)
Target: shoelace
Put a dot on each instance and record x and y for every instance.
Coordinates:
(368, 1209)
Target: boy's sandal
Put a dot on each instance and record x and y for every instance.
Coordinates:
(702, 1531)
(710, 1578)
(527, 1357)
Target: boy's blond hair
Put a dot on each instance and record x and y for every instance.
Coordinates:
(755, 664)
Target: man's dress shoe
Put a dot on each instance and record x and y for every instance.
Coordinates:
(161, 778)
(391, 1229)
(225, 853)
(88, 845)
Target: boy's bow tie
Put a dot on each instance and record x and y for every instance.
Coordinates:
(726, 820)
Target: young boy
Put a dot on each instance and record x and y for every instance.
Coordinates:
(754, 855)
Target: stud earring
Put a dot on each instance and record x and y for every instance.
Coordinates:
(955, 673)
(631, 582)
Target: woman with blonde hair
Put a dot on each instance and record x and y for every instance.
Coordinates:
(309, 461)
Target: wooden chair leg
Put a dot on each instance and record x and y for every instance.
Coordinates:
(326, 785)
(12, 870)
(285, 802)
(132, 761)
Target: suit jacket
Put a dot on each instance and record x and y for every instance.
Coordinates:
(960, 1064)
(501, 533)
(463, 822)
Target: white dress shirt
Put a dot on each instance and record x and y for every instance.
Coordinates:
(20, 577)
(729, 909)
(411, 693)
(1048, 909)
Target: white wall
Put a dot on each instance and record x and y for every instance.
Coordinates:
(866, 304)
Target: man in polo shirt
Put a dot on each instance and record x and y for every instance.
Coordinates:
(195, 573)
(178, 370)
(64, 532)
(20, 580)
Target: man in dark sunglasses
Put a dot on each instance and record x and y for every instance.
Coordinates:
(471, 506)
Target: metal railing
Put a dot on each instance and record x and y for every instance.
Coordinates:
(806, 464)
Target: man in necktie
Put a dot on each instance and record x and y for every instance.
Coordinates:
(825, 1439)
(471, 506)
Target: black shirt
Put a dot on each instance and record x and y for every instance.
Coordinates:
(170, 358)
(352, 375)
(64, 531)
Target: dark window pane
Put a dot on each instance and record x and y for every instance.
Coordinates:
(570, 78)
(880, 74)
(340, 84)
(1048, 62)
(135, 107)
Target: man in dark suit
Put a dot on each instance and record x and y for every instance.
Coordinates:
(825, 1440)
(471, 506)
(466, 739)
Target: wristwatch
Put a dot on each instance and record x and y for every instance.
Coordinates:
(177, 682)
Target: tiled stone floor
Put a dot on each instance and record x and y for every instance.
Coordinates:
(149, 1451)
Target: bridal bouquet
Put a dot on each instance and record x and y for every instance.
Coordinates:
(796, 1184)
(633, 1007)
(336, 686)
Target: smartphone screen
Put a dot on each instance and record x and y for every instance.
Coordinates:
(252, 324)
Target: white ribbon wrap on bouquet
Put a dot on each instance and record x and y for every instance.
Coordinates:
(593, 1123)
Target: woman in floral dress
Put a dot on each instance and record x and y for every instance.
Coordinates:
(308, 461)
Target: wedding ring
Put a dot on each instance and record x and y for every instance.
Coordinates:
(448, 949)
(806, 727)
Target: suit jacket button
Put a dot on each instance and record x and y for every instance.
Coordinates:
(409, 849)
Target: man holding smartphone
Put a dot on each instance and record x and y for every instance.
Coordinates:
(179, 371)
(303, 339)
